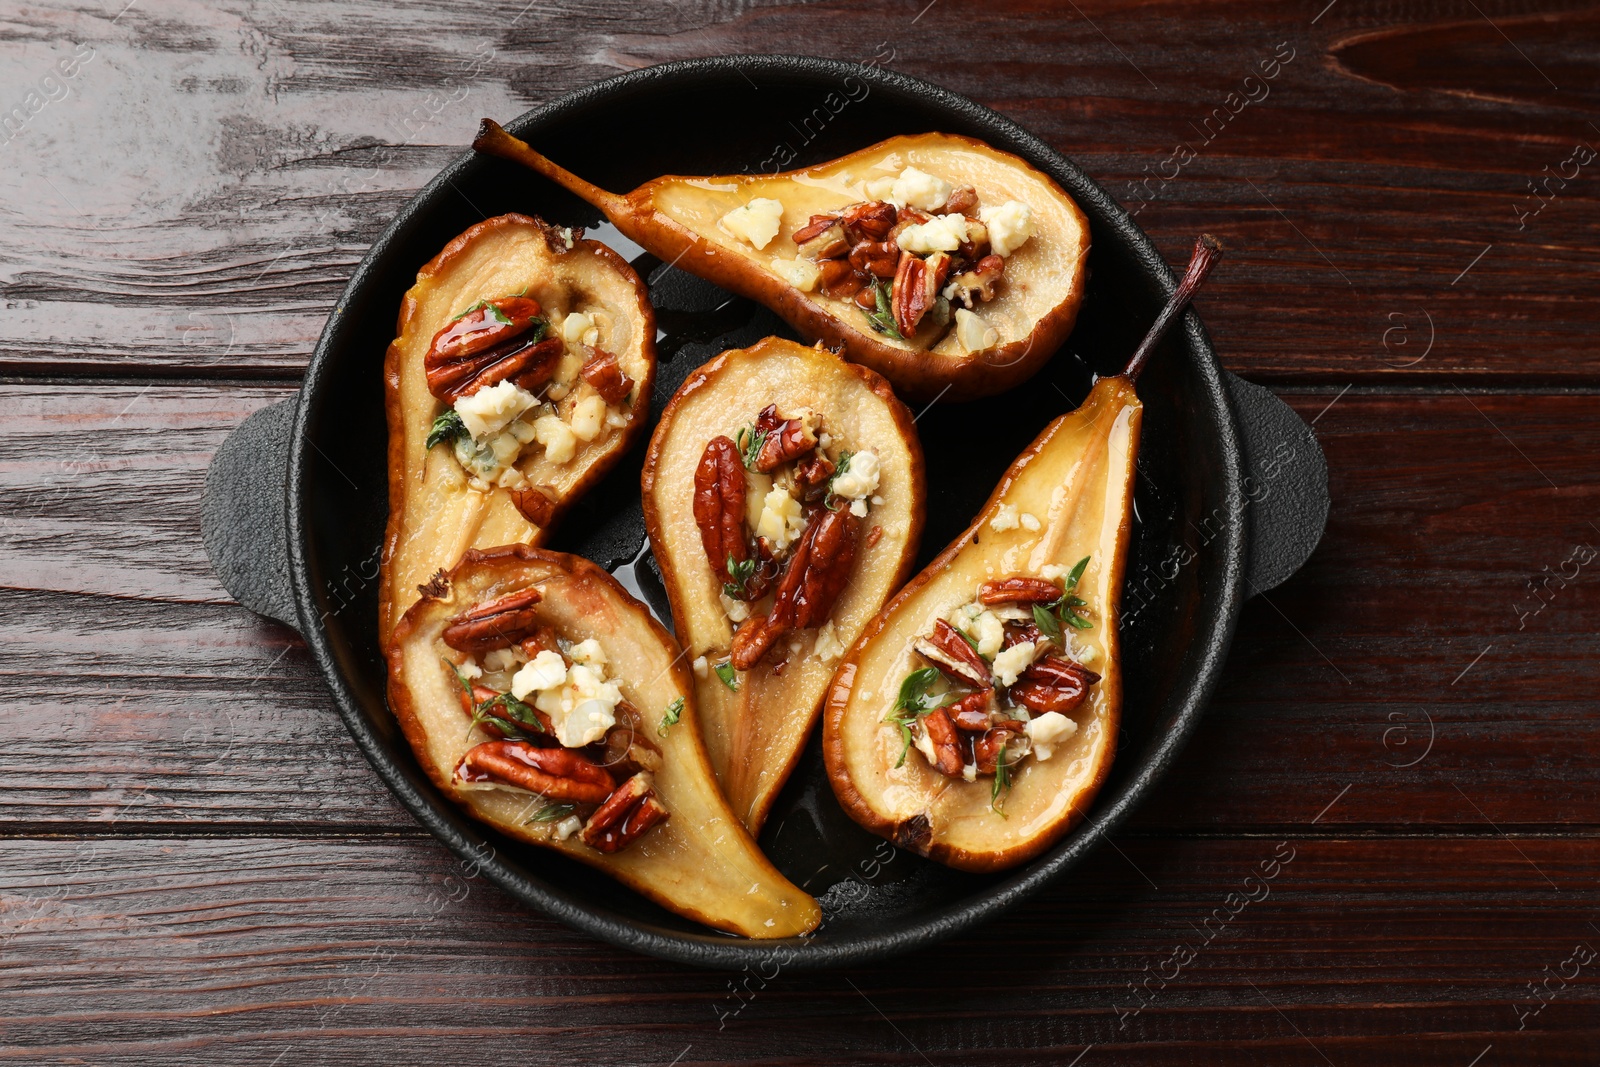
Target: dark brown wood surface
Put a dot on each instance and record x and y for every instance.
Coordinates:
(197, 866)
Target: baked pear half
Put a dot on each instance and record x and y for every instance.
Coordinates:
(783, 492)
(940, 262)
(520, 373)
(548, 703)
(976, 718)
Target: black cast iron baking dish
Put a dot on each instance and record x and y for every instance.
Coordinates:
(1231, 500)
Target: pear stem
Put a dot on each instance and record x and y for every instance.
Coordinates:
(1207, 250)
(493, 140)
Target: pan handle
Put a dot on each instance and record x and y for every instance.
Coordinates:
(1285, 485)
(242, 513)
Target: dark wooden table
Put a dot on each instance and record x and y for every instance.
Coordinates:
(196, 865)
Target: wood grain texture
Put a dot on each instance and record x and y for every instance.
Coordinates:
(199, 711)
(202, 950)
(196, 197)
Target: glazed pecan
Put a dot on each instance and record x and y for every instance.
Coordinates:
(556, 773)
(839, 280)
(822, 238)
(627, 748)
(811, 476)
(947, 746)
(604, 373)
(535, 504)
(963, 201)
(1053, 683)
(542, 639)
(499, 623)
(946, 649)
(877, 258)
(781, 439)
(867, 298)
(497, 713)
(870, 221)
(625, 815)
(912, 294)
(815, 227)
(986, 749)
(815, 575)
(503, 339)
(978, 283)
(1018, 589)
(971, 712)
(719, 494)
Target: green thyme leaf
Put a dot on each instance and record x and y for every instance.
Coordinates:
(537, 328)
(485, 305)
(552, 813)
(517, 720)
(466, 686)
(1076, 621)
(1002, 782)
(741, 571)
(882, 319)
(914, 702)
(833, 502)
(1043, 619)
(447, 428)
(749, 444)
(674, 713)
(729, 676)
(969, 639)
(1077, 572)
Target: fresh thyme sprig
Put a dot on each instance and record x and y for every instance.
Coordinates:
(914, 702)
(673, 714)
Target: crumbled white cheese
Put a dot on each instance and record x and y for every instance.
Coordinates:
(1005, 518)
(973, 331)
(587, 651)
(985, 628)
(919, 189)
(491, 409)
(970, 772)
(800, 273)
(942, 233)
(1029, 521)
(580, 328)
(522, 430)
(470, 669)
(1010, 225)
(702, 667)
(1013, 661)
(547, 670)
(877, 501)
(581, 709)
(824, 439)
(736, 610)
(782, 519)
(588, 417)
(828, 647)
(1054, 572)
(879, 188)
(756, 222)
(503, 659)
(860, 478)
(567, 827)
(560, 444)
(1084, 654)
(618, 419)
(858, 508)
(1048, 730)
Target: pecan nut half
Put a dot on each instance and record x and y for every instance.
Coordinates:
(625, 815)
(839, 280)
(1018, 589)
(912, 294)
(604, 373)
(813, 579)
(869, 221)
(947, 745)
(486, 325)
(977, 285)
(523, 361)
(1053, 683)
(946, 649)
(971, 713)
(535, 503)
(499, 721)
(878, 258)
(556, 773)
(781, 439)
(719, 496)
(498, 623)
(963, 201)
(986, 749)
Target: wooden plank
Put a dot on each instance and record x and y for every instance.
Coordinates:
(119, 637)
(182, 950)
(1375, 191)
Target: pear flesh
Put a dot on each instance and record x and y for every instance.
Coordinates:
(438, 509)
(1074, 484)
(756, 722)
(699, 862)
(721, 229)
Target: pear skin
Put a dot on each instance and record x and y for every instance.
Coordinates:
(676, 218)
(1077, 479)
(435, 514)
(755, 735)
(700, 862)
